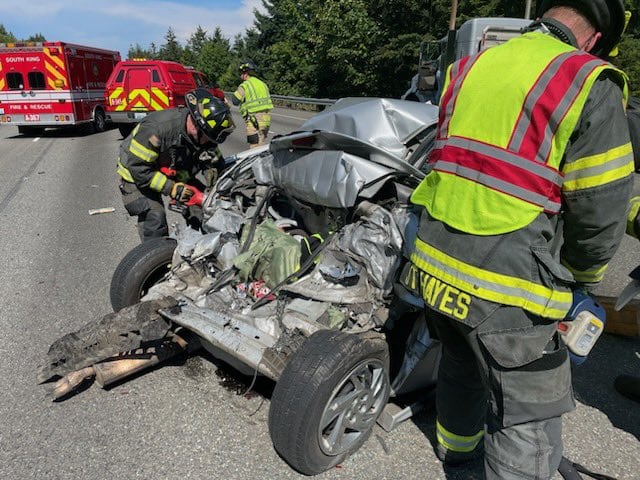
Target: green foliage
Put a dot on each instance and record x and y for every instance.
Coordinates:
(9, 37)
(335, 48)
(5, 36)
(136, 51)
(344, 41)
(629, 61)
(214, 56)
(38, 37)
(171, 50)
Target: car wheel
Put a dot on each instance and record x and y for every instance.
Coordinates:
(140, 269)
(125, 129)
(99, 121)
(328, 398)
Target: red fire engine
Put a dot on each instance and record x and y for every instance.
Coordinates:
(53, 84)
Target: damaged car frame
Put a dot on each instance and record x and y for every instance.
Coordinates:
(293, 276)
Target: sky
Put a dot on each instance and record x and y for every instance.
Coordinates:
(118, 24)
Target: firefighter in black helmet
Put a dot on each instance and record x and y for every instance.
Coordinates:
(254, 100)
(549, 166)
(165, 152)
(606, 16)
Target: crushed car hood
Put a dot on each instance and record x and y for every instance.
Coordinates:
(386, 123)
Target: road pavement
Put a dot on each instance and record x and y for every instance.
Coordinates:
(194, 419)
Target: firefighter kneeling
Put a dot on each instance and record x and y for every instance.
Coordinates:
(531, 132)
(165, 152)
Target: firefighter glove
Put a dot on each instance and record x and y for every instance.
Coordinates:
(196, 199)
(181, 192)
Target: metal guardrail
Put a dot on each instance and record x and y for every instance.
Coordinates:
(309, 101)
(299, 100)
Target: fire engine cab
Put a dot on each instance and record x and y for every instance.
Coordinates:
(53, 84)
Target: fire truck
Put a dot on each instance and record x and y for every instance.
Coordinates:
(53, 84)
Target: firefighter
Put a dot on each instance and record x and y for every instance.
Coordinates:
(531, 175)
(165, 152)
(255, 104)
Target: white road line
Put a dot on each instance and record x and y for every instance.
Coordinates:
(287, 116)
(35, 139)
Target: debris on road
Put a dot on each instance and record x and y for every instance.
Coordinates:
(96, 211)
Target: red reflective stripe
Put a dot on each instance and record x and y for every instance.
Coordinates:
(498, 169)
(452, 91)
(542, 111)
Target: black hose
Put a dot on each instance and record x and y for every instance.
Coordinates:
(571, 471)
(568, 471)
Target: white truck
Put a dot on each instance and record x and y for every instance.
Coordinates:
(473, 36)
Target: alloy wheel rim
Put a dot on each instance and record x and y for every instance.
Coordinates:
(353, 407)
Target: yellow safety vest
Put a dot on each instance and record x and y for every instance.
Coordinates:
(256, 96)
(497, 166)
(500, 162)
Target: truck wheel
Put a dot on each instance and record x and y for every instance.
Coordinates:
(99, 121)
(31, 131)
(125, 129)
(328, 398)
(140, 269)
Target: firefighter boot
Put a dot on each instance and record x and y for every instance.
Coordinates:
(453, 458)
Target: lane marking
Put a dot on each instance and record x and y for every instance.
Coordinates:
(288, 116)
(35, 139)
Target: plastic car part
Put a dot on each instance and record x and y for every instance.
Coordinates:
(328, 398)
(139, 270)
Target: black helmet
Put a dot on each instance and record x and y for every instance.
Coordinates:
(247, 66)
(210, 114)
(607, 16)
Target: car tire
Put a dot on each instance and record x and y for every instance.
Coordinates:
(140, 269)
(328, 398)
(125, 129)
(99, 121)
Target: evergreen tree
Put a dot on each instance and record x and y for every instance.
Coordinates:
(5, 36)
(214, 56)
(171, 50)
(193, 49)
(38, 37)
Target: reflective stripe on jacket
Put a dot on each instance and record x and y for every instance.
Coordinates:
(509, 159)
(503, 160)
(256, 96)
(160, 140)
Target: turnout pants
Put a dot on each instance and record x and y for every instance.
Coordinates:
(257, 128)
(509, 376)
(148, 206)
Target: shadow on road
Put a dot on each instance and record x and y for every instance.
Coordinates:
(61, 132)
(593, 380)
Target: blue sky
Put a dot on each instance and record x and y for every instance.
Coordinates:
(117, 24)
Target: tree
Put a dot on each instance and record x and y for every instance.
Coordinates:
(6, 37)
(136, 51)
(194, 46)
(343, 43)
(214, 56)
(333, 48)
(38, 37)
(171, 50)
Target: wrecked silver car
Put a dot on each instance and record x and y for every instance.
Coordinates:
(293, 276)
